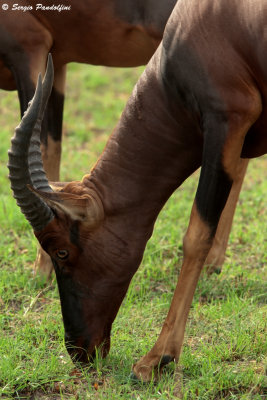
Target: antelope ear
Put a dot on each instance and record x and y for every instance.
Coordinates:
(82, 208)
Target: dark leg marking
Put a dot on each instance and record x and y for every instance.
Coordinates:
(212, 193)
(166, 359)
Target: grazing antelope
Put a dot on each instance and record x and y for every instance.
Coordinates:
(201, 101)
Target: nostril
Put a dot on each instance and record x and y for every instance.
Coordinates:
(92, 356)
(82, 351)
(77, 348)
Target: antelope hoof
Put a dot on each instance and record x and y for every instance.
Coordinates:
(145, 371)
(213, 269)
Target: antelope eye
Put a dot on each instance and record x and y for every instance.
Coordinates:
(62, 254)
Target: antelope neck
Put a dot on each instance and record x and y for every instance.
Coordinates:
(149, 154)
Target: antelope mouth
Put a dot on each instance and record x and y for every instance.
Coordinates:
(83, 352)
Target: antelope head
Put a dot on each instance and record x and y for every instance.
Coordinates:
(70, 225)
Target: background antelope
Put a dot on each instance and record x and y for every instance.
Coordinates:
(110, 32)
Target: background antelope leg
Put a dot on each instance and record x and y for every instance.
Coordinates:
(216, 256)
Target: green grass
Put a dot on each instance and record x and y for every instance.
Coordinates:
(224, 353)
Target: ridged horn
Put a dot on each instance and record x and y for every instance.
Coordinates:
(36, 169)
(25, 163)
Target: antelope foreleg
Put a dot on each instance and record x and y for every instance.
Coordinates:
(197, 243)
